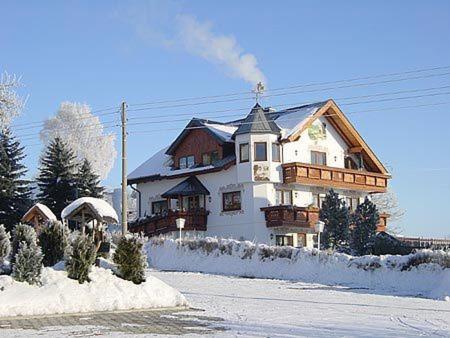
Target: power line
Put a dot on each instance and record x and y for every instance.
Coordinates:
(293, 86)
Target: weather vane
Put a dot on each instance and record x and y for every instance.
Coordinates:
(258, 91)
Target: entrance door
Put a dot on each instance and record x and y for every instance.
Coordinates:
(193, 202)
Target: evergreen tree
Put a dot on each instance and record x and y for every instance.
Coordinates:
(5, 245)
(14, 190)
(28, 263)
(81, 259)
(88, 183)
(336, 217)
(130, 260)
(56, 178)
(21, 233)
(53, 241)
(365, 220)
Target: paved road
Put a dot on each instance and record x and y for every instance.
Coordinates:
(120, 323)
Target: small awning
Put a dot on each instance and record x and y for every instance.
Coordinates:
(189, 187)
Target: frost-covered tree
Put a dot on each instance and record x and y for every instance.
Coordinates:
(56, 179)
(131, 261)
(81, 259)
(21, 233)
(84, 134)
(364, 220)
(335, 215)
(88, 183)
(388, 203)
(11, 104)
(14, 190)
(53, 240)
(5, 244)
(27, 264)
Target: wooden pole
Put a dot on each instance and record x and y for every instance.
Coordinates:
(124, 170)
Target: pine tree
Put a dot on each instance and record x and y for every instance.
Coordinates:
(365, 220)
(5, 245)
(14, 190)
(335, 215)
(53, 241)
(28, 263)
(56, 179)
(21, 233)
(130, 260)
(88, 183)
(81, 259)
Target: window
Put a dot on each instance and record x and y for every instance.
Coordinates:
(231, 201)
(276, 156)
(283, 197)
(206, 159)
(318, 157)
(352, 202)
(186, 162)
(243, 152)
(159, 207)
(282, 240)
(260, 151)
(214, 156)
(350, 163)
(318, 200)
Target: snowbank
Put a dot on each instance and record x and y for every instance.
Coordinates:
(425, 274)
(105, 292)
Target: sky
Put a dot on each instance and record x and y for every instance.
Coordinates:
(103, 52)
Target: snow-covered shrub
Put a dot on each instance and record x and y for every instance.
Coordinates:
(5, 245)
(22, 233)
(53, 241)
(266, 252)
(130, 259)
(28, 263)
(439, 258)
(81, 258)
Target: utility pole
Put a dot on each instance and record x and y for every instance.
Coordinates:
(124, 170)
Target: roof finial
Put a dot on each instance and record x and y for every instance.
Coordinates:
(259, 90)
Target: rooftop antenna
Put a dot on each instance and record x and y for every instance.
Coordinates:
(258, 91)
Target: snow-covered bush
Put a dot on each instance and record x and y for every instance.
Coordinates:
(5, 245)
(130, 259)
(81, 258)
(53, 241)
(22, 233)
(28, 263)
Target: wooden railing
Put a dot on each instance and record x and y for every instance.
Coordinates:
(290, 216)
(164, 223)
(321, 175)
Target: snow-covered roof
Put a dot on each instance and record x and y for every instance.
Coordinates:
(102, 209)
(158, 164)
(44, 211)
(222, 130)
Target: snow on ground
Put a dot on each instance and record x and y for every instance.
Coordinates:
(105, 292)
(276, 308)
(385, 274)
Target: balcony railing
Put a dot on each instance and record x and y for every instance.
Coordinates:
(321, 175)
(196, 220)
(301, 219)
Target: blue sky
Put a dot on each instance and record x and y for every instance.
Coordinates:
(102, 52)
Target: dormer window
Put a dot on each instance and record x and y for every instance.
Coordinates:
(260, 151)
(186, 162)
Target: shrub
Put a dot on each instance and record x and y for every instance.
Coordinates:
(130, 260)
(28, 263)
(80, 259)
(386, 244)
(53, 241)
(5, 245)
(21, 233)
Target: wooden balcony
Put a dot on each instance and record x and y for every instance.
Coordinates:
(196, 220)
(330, 177)
(301, 219)
(288, 216)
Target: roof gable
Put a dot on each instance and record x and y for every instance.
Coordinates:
(189, 187)
(346, 130)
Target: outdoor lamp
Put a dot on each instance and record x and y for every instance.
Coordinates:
(319, 228)
(180, 224)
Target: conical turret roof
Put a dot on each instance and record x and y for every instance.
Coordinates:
(257, 122)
